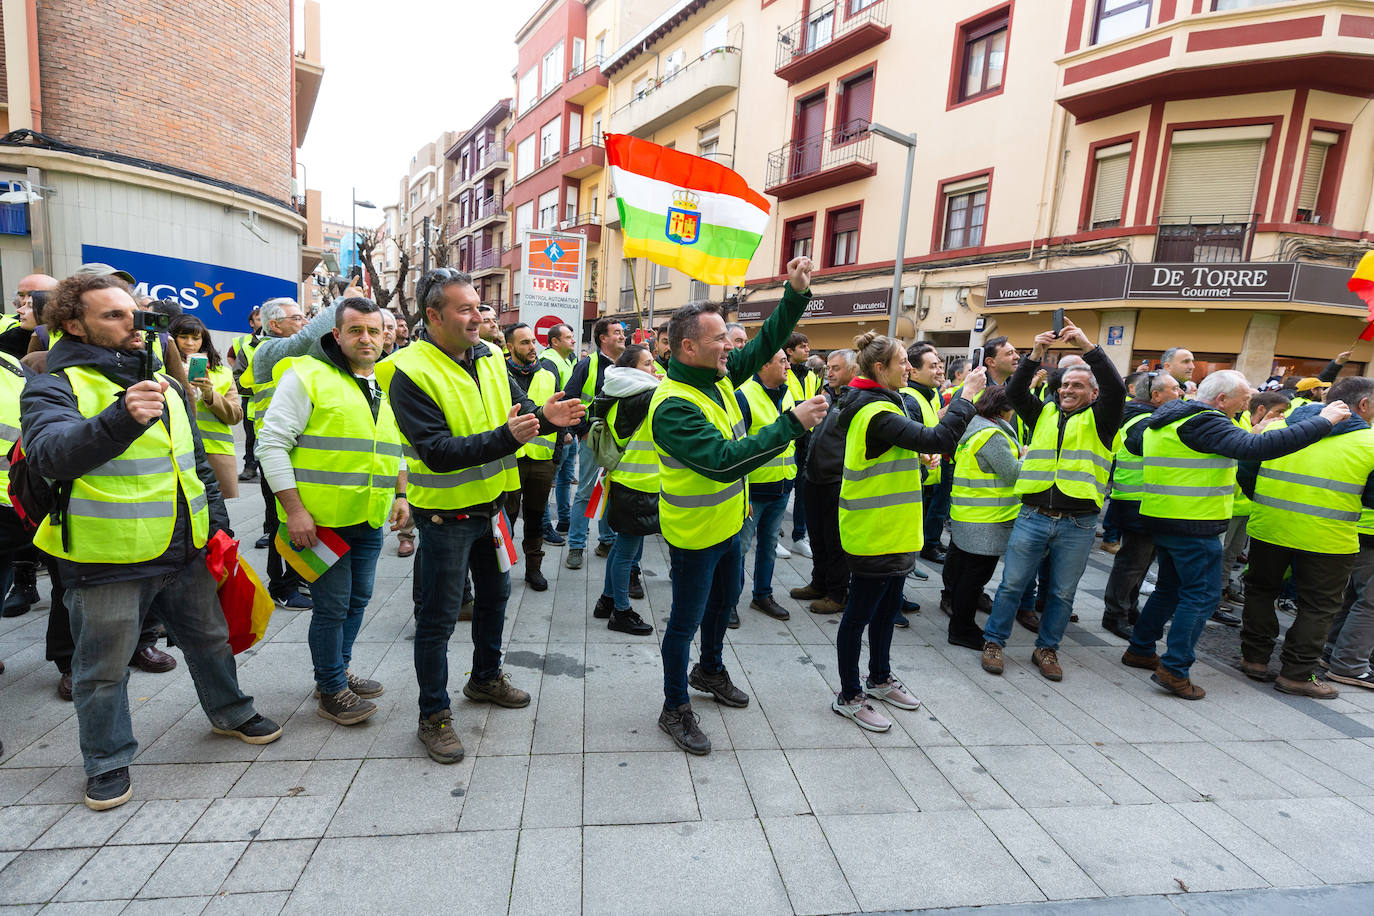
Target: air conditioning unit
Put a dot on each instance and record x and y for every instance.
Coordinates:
(566, 224)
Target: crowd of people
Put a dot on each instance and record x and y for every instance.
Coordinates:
(894, 460)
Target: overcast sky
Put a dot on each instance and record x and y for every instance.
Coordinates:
(397, 73)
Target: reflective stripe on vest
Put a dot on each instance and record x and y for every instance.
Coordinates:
(124, 511)
(930, 416)
(562, 366)
(540, 448)
(762, 412)
(872, 488)
(346, 464)
(696, 512)
(1312, 500)
(10, 389)
(588, 393)
(638, 467)
(1181, 483)
(215, 434)
(978, 496)
(470, 407)
(1079, 468)
(1365, 526)
(1128, 477)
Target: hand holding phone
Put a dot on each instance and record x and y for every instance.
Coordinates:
(1058, 325)
(197, 366)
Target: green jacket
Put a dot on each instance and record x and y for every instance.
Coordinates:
(683, 431)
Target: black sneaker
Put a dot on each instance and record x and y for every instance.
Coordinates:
(733, 622)
(628, 622)
(717, 685)
(901, 622)
(257, 730)
(553, 537)
(771, 608)
(934, 555)
(947, 607)
(909, 606)
(604, 606)
(295, 602)
(1225, 618)
(562, 527)
(262, 542)
(681, 725)
(109, 790)
(574, 558)
(985, 603)
(636, 585)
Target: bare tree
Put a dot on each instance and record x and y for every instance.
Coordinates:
(382, 295)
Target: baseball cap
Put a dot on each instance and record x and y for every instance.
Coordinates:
(1309, 383)
(96, 269)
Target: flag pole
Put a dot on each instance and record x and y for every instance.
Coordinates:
(652, 284)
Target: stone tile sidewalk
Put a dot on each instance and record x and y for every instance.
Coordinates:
(1007, 791)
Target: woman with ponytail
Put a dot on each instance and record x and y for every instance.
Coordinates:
(881, 515)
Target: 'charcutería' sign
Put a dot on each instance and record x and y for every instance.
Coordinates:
(866, 304)
(221, 297)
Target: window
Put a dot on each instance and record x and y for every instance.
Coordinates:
(574, 130)
(1212, 174)
(596, 127)
(966, 206)
(673, 62)
(601, 46)
(1111, 167)
(579, 58)
(548, 210)
(984, 56)
(548, 141)
(524, 219)
(640, 86)
(820, 26)
(553, 70)
(414, 196)
(524, 157)
(843, 242)
(717, 35)
(708, 139)
(797, 235)
(570, 209)
(854, 108)
(595, 202)
(1239, 4)
(1309, 194)
(528, 89)
(1118, 18)
(660, 275)
(698, 291)
(627, 283)
(856, 5)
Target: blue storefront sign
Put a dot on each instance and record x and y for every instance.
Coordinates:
(221, 297)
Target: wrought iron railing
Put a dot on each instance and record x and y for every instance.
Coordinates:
(655, 84)
(849, 143)
(1208, 237)
(590, 63)
(577, 143)
(487, 258)
(800, 39)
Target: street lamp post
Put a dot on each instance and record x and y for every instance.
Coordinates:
(353, 239)
(909, 141)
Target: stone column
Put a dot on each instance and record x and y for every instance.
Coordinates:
(1120, 352)
(1256, 357)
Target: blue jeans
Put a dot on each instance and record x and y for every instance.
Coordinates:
(765, 515)
(446, 549)
(624, 556)
(706, 587)
(1066, 542)
(586, 482)
(105, 624)
(1111, 533)
(935, 497)
(341, 595)
(873, 603)
(1188, 590)
(562, 486)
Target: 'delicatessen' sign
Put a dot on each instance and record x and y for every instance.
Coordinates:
(1239, 281)
(867, 304)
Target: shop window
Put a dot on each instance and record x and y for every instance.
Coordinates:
(1118, 18)
(1111, 168)
(983, 54)
(843, 242)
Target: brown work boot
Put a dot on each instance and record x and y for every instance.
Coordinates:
(1311, 687)
(806, 593)
(826, 606)
(1047, 660)
(498, 690)
(440, 741)
(992, 658)
(1148, 662)
(1258, 671)
(1178, 686)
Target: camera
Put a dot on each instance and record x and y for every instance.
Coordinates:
(153, 322)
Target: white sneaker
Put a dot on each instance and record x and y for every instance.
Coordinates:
(802, 547)
(781, 552)
(1147, 587)
(862, 714)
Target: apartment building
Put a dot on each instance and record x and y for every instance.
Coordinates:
(423, 204)
(1172, 172)
(478, 225)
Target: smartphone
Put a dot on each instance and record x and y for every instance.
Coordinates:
(976, 360)
(197, 366)
(1058, 322)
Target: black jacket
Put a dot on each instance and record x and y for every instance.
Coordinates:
(825, 454)
(1128, 510)
(524, 377)
(1111, 397)
(1207, 430)
(578, 377)
(628, 511)
(886, 430)
(63, 444)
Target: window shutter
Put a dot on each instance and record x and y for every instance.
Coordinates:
(1322, 141)
(1109, 188)
(845, 220)
(1212, 180)
(858, 99)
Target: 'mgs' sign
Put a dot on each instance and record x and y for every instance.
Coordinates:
(221, 297)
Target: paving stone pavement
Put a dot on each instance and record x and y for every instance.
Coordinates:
(1011, 793)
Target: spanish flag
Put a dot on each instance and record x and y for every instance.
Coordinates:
(1361, 282)
(685, 211)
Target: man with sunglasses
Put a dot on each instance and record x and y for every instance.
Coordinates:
(463, 419)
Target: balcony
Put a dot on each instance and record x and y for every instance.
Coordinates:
(493, 159)
(585, 157)
(1206, 238)
(714, 74)
(1320, 43)
(308, 71)
(487, 262)
(586, 224)
(485, 212)
(822, 161)
(828, 35)
(585, 80)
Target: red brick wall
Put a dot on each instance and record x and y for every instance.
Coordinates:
(202, 85)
